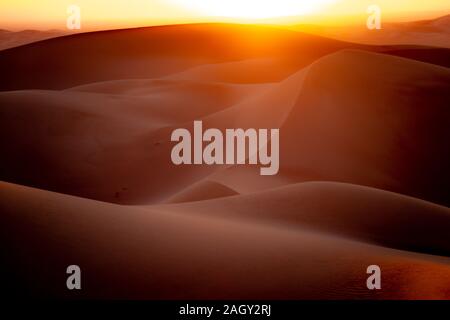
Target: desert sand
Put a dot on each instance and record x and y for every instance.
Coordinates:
(432, 33)
(87, 177)
(11, 39)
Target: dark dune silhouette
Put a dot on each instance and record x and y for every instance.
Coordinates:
(11, 39)
(155, 52)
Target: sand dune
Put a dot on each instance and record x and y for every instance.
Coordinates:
(363, 178)
(399, 105)
(367, 214)
(11, 39)
(105, 144)
(427, 32)
(132, 252)
(437, 56)
(117, 158)
(156, 52)
(245, 71)
(386, 100)
(151, 53)
(326, 118)
(202, 190)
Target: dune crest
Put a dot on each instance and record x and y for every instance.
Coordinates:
(367, 214)
(86, 123)
(170, 251)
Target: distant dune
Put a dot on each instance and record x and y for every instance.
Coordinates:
(85, 125)
(10, 39)
(152, 52)
(157, 52)
(427, 32)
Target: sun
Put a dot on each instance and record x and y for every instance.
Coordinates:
(254, 9)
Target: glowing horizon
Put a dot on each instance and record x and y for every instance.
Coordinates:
(104, 14)
(254, 9)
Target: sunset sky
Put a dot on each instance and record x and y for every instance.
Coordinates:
(105, 14)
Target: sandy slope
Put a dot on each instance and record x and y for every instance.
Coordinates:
(375, 120)
(427, 32)
(157, 52)
(130, 252)
(365, 119)
(202, 190)
(118, 158)
(152, 52)
(103, 145)
(11, 39)
(357, 126)
(109, 149)
(368, 214)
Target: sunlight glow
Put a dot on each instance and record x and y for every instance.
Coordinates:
(107, 14)
(254, 9)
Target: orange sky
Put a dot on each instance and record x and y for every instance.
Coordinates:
(106, 14)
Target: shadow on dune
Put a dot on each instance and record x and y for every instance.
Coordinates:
(91, 116)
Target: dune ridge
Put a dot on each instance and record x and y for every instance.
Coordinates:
(367, 214)
(86, 174)
(153, 254)
(153, 52)
(11, 39)
(145, 145)
(432, 33)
